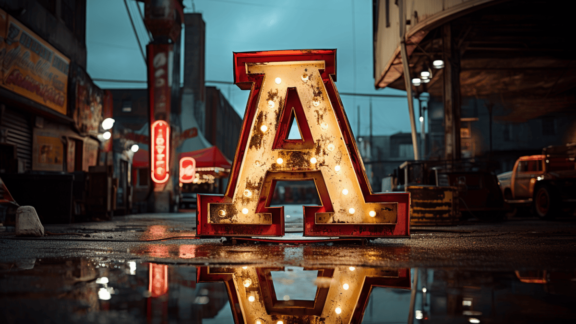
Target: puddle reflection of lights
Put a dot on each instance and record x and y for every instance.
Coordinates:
(102, 281)
(419, 315)
(132, 266)
(247, 283)
(338, 310)
(104, 294)
(474, 320)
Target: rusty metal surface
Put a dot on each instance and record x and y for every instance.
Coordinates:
(433, 205)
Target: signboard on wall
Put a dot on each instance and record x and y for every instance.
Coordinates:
(89, 101)
(48, 152)
(31, 67)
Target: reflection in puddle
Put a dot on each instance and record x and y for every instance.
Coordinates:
(103, 291)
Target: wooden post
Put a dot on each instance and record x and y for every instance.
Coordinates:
(452, 101)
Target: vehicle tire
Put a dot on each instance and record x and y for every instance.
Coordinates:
(546, 203)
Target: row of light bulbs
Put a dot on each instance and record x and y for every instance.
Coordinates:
(251, 299)
(426, 75)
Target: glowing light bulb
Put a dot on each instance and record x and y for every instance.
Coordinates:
(108, 123)
(134, 148)
(221, 213)
(421, 118)
(338, 310)
(305, 77)
(270, 103)
(345, 192)
(279, 322)
(244, 211)
(257, 163)
(337, 168)
(247, 283)
(251, 299)
(247, 193)
(107, 135)
(316, 103)
(351, 210)
(352, 268)
(258, 322)
(313, 160)
(278, 80)
(331, 147)
(264, 128)
(345, 286)
(324, 126)
(244, 268)
(279, 161)
(372, 213)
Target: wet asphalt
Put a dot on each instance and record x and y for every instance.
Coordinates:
(520, 243)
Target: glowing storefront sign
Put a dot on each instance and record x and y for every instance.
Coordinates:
(160, 153)
(187, 169)
(288, 85)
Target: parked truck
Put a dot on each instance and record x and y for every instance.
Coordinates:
(546, 182)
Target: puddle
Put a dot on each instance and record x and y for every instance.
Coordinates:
(100, 290)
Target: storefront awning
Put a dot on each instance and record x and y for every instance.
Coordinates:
(209, 159)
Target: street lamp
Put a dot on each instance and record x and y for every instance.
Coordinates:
(108, 123)
(438, 64)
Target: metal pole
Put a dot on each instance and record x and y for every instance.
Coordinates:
(358, 122)
(407, 79)
(413, 297)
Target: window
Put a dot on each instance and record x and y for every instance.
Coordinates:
(530, 166)
(143, 176)
(548, 126)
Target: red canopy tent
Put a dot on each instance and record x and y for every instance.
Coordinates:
(208, 159)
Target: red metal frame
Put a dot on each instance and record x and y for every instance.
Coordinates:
(254, 82)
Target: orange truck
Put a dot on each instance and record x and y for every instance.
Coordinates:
(545, 182)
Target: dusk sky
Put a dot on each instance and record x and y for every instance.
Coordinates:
(250, 25)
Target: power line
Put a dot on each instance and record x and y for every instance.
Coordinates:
(135, 33)
(232, 83)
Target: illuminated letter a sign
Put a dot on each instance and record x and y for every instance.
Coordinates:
(298, 84)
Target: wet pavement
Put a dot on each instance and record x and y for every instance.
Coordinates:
(152, 268)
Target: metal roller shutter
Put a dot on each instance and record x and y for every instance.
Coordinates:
(19, 134)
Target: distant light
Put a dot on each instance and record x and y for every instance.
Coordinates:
(473, 320)
(416, 82)
(345, 191)
(132, 266)
(424, 290)
(264, 128)
(107, 135)
(244, 211)
(134, 148)
(313, 160)
(247, 283)
(270, 103)
(337, 168)
(372, 213)
(108, 123)
(421, 119)
(279, 161)
(102, 281)
(466, 302)
(351, 210)
(345, 286)
(104, 294)
(251, 299)
(286, 297)
(438, 64)
(425, 80)
(338, 310)
(278, 80)
(425, 74)
(419, 315)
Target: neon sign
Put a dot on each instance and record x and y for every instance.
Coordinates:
(160, 153)
(288, 85)
(187, 169)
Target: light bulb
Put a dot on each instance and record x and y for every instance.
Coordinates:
(425, 74)
(279, 161)
(107, 135)
(244, 268)
(221, 213)
(425, 80)
(324, 126)
(338, 310)
(372, 213)
(337, 168)
(247, 283)
(421, 118)
(264, 128)
(258, 322)
(416, 82)
(244, 211)
(134, 148)
(331, 147)
(278, 80)
(305, 77)
(313, 160)
(345, 192)
(352, 268)
(247, 193)
(351, 210)
(438, 64)
(279, 322)
(270, 103)
(316, 103)
(251, 299)
(345, 286)
(108, 123)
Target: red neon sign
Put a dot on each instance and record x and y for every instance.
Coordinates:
(160, 166)
(187, 169)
